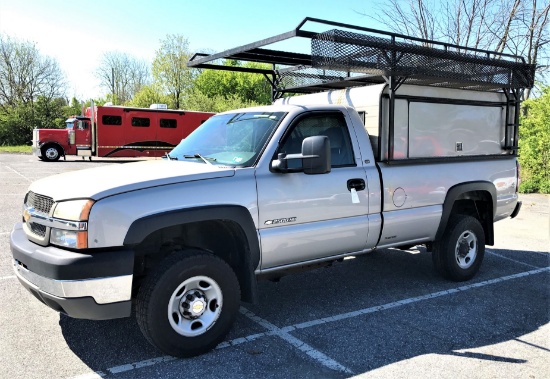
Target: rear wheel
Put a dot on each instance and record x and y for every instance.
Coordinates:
(459, 253)
(50, 153)
(188, 304)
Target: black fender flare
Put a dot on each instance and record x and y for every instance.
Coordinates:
(455, 192)
(141, 228)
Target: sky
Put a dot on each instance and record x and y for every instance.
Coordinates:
(78, 33)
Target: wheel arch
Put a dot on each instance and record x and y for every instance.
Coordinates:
(236, 238)
(477, 199)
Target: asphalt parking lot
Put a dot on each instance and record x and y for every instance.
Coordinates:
(384, 315)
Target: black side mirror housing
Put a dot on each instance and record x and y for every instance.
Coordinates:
(315, 157)
(316, 154)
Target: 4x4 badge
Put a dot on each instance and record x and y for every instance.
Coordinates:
(280, 221)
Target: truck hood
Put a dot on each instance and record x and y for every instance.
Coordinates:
(100, 182)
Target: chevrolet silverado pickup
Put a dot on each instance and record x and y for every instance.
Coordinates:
(264, 191)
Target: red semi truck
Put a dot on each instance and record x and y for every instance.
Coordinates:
(116, 131)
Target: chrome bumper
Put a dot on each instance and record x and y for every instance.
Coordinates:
(102, 290)
(77, 298)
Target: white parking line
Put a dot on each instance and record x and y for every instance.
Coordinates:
(510, 259)
(300, 345)
(18, 173)
(410, 300)
(284, 332)
(7, 277)
(141, 364)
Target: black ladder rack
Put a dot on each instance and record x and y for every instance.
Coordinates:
(348, 56)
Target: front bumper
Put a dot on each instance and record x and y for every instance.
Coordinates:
(90, 285)
(36, 151)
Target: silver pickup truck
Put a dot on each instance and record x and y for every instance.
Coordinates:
(264, 191)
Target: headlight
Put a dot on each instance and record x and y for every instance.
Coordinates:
(73, 233)
(75, 210)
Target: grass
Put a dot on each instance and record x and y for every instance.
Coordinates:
(16, 149)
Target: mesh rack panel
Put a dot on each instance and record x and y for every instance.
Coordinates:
(345, 51)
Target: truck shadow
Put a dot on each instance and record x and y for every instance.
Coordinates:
(495, 312)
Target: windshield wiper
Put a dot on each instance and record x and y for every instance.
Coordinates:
(197, 155)
(170, 157)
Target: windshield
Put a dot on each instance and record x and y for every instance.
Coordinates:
(235, 139)
(70, 125)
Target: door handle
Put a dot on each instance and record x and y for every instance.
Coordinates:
(357, 184)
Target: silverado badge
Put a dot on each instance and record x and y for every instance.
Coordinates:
(280, 221)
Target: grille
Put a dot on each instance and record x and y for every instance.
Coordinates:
(39, 230)
(40, 203)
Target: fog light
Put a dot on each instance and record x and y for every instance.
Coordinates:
(69, 238)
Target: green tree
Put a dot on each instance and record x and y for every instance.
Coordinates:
(31, 91)
(170, 69)
(534, 144)
(15, 125)
(245, 86)
(149, 94)
(49, 113)
(198, 101)
(73, 109)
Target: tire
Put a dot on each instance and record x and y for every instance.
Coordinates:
(50, 153)
(459, 253)
(188, 304)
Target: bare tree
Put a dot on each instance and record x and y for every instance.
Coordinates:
(518, 27)
(122, 75)
(416, 18)
(25, 74)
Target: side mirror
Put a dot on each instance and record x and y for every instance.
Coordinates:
(315, 157)
(316, 154)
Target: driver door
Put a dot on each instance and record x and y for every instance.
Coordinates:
(305, 217)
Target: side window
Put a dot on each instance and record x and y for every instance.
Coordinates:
(331, 125)
(140, 121)
(82, 125)
(168, 123)
(111, 120)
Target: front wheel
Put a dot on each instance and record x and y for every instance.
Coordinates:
(459, 253)
(188, 304)
(50, 153)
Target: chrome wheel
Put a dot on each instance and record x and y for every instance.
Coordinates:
(195, 306)
(466, 249)
(50, 153)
